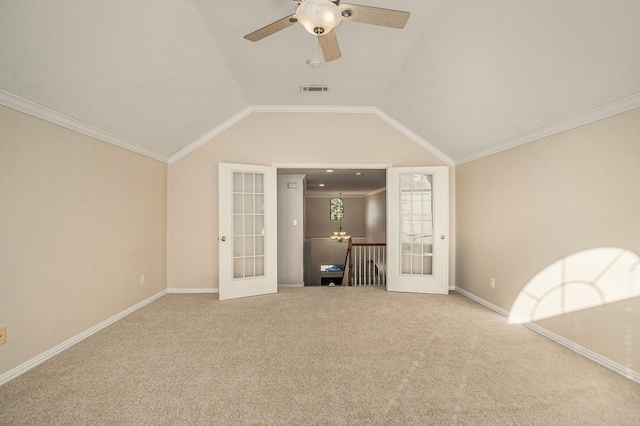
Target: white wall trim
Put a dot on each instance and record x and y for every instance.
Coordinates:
(361, 166)
(36, 110)
(23, 368)
(414, 137)
(606, 362)
(209, 135)
(290, 285)
(377, 191)
(332, 109)
(595, 114)
(329, 196)
(192, 290)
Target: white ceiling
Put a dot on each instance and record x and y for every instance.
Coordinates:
(462, 76)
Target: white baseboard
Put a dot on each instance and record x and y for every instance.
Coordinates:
(290, 285)
(192, 290)
(593, 356)
(23, 368)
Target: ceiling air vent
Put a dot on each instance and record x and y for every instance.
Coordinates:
(314, 88)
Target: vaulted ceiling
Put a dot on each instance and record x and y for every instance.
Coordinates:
(464, 76)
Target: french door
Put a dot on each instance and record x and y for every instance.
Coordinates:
(418, 229)
(247, 237)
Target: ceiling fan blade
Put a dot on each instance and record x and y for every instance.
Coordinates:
(329, 46)
(374, 15)
(272, 28)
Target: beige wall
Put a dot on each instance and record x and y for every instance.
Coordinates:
(290, 236)
(265, 138)
(80, 222)
(521, 211)
(375, 217)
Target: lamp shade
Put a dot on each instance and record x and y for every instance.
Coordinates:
(318, 16)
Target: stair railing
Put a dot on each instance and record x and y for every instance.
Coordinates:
(367, 263)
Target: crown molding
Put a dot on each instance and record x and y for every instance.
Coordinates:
(335, 109)
(331, 109)
(361, 166)
(18, 103)
(616, 107)
(377, 191)
(414, 137)
(260, 108)
(209, 135)
(345, 195)
(359, 110)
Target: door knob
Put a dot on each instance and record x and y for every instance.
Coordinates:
(223, 238)
(442, 237)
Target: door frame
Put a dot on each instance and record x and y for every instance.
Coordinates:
(385, 166)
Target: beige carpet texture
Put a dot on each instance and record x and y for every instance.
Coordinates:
(318, 356)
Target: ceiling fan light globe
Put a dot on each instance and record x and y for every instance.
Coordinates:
(318, 16)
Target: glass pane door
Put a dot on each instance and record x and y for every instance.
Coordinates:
(247, 230)
(248, 225)
(417, 210)
(416, 224)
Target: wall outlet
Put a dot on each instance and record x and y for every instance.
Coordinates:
(492, 283)
(141, 279)
(3, 335)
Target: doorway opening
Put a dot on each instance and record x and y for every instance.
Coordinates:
(307, 256)
(416, 221)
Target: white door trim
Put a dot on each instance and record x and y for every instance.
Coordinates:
(377, 166)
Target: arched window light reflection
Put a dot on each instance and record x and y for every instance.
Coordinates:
(583, 280)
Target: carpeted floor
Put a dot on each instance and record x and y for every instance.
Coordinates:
(318, 355)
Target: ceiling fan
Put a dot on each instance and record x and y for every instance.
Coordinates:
(319, 17)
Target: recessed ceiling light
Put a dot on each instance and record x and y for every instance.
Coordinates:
(358, 173)
(322, 184)
(313, 63)
(329, 170)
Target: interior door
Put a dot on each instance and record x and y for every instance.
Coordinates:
(418, 229)
(247, 237)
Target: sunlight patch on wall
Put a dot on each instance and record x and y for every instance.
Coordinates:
(582, 280)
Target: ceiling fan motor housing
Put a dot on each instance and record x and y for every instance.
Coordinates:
(318, 16)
